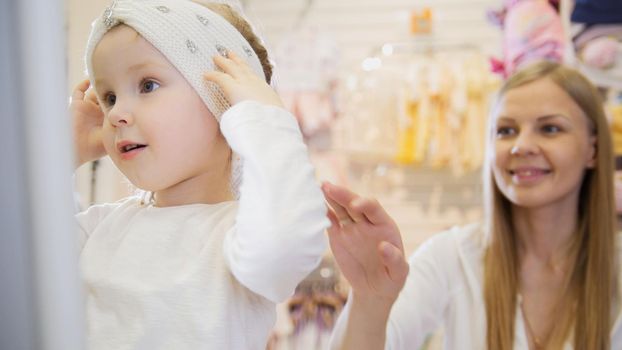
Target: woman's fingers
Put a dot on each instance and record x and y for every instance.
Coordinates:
(341, 214)
(396, 265)
(340, 195)
(371, 210)
(336, 198)
(356, 206)
(334, 220)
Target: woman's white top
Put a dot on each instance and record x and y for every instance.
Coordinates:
(207, 276)
(444, 289)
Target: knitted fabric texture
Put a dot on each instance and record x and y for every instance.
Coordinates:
(189, 35)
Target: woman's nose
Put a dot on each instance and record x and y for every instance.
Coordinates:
(525, 144)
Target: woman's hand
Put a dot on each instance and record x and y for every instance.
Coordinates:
(366, 244)
(239, 82)
(87, 124)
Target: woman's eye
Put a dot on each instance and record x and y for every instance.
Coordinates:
(149, 86)
(551, 129)
(110, 99)
(505, 131)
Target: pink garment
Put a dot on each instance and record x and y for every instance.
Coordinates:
(307, 60)
(315, 110)
(597, 31)
(599, 45)
(600, 52)
(532, 31)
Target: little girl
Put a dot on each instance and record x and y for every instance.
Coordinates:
(191, 265)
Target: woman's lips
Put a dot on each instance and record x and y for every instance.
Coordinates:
(528, 175)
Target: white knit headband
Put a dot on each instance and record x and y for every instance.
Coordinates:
(188, 34)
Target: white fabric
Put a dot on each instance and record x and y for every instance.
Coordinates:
(174, 27)
(444, 288)
(207, 276)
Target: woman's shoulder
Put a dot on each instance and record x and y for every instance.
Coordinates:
(456, 238)
(457, 246)
(453, 257)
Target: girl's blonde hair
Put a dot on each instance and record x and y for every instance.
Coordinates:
(239, 23)
(585, 307)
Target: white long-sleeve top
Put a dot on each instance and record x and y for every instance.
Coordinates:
(207, 276)
(445, 288)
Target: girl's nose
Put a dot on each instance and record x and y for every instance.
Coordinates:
(120, 116)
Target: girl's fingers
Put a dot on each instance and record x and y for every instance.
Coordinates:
(229, 66)
(83, 85)
(235, 58)
(219, 78)
(92, 97)
(242, 64)
(80, 90)
(234, 65)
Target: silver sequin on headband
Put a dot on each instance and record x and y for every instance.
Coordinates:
(109, 22)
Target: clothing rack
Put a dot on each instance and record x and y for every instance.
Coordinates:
(304, 12)
(419, 103)
(422, 45)
(312, 310)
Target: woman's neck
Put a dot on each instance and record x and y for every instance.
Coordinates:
(546, 233)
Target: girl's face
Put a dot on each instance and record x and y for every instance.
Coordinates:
(157, 130)
(543, 143)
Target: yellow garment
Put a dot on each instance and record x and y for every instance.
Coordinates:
(406, 133)
(616, 128)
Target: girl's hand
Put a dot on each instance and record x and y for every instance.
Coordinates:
(87, 124)
(239, 82)
(367, 245)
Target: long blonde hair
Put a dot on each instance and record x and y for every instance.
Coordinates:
(591, 280)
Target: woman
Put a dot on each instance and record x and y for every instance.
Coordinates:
(540, 272)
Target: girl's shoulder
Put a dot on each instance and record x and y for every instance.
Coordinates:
(95, 214)
(102, 208)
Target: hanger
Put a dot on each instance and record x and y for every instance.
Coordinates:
(304, 12)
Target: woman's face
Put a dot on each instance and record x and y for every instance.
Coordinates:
(543, 143)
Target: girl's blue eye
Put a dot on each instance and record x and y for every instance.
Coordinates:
(110, 99)
(149, 86)
(505, 131)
